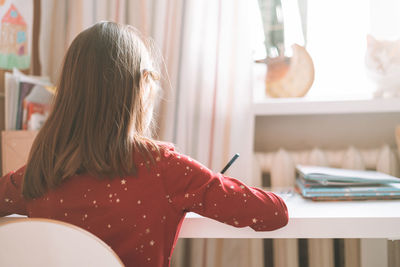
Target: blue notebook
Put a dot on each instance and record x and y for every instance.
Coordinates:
(385, 191)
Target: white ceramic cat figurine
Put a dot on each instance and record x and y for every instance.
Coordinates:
(382, 62)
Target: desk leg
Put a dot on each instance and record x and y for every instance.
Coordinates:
(374, 253)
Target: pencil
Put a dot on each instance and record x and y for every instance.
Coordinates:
(230, 163)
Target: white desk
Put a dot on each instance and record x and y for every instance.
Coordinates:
(308, 219)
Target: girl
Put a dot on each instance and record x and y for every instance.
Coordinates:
(93, 164)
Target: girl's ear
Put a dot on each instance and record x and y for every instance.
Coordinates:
(148, 83)
(146, 74)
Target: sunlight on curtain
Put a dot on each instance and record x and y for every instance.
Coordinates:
(337, 42)
(385, 19)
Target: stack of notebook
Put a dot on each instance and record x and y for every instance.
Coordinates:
(322, 183)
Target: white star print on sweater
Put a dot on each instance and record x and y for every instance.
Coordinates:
(140, 217)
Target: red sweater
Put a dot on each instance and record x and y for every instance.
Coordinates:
(140, 217)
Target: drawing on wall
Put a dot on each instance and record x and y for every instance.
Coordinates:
(15, 34)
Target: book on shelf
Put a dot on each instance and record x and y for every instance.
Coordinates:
(323, 183)
(27, 101)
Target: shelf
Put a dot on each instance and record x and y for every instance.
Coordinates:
(304, 106)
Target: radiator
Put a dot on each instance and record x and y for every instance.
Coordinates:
(279, 167)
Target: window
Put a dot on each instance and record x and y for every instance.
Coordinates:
(335, 36)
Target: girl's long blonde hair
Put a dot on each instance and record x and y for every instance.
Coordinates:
(101, 110)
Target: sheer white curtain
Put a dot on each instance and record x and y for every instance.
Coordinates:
(209, 116)
(206, 103)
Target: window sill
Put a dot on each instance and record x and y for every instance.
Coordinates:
(308, 106)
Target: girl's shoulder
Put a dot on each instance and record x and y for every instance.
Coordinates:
(166, 151)
(173, 158)
(165, 146)
(166, 155)
(155, 151)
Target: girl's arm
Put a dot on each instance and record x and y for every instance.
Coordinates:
(192, 187)
(11, 200)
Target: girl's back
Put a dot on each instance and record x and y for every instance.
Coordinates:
(140, 217)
